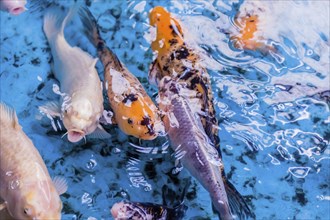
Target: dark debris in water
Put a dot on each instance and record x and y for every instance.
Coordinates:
(300, 197)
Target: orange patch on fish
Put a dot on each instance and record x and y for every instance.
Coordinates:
(168, 30)
(248, 28)
(137, 117)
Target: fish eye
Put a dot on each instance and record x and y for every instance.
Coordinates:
(27, 211)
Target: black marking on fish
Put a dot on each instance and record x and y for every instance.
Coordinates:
(182, 53)
(165, 68)
(194, 81)
(146, 122)
(172, 56)
(187, 74)
(173, 88)
(130, 97)
(100, 46)
(173, 41)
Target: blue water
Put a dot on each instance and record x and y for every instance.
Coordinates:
(273, 109)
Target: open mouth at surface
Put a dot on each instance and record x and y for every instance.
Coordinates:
(75, 135)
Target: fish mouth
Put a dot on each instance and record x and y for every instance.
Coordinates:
(17, 10)
(75, 135)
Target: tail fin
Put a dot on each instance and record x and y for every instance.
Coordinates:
(237, 204)
(55, 21)
(90, 27)
(92, 32)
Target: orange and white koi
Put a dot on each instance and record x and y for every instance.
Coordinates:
(81, 90)
(26, 188)
(181, 63)
(134, 111)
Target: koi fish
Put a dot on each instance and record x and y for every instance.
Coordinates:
(189, 115)
(26, 189)
(247, 38)
(146, 211)
(177, 60)
(196, 151)
(149, 211)
(81, 104)
(134, 111)
(14, 7)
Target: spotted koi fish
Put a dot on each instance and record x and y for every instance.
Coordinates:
(177, 60)
(146, 211)
(185, 97)
(134, 111)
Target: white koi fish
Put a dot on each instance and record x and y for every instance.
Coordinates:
(26, 189)
(82, 100)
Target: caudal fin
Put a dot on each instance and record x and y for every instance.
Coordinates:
(90, 27)
(55, 21)
(238, 206)
(92, 32)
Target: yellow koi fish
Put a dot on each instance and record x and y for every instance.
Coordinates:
(177, 60)
(81, 104)
(185, 97)
(26, 189)
(134, 111)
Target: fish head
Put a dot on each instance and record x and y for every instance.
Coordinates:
(169, 31)
(80, 120)
(36, 202)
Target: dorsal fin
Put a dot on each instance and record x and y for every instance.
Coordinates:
(8, 115)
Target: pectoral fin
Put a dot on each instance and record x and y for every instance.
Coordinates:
(52, 109)
(100, 133)
(236, 202)
(60, 184)
(8, 114)
(155, 73)
(3, 206)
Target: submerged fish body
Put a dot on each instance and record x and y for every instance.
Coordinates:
(189, 115)
(189, 140)
(26, 188)
(82, 102)
(146, 211)
(177, 60)
(134, 111)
